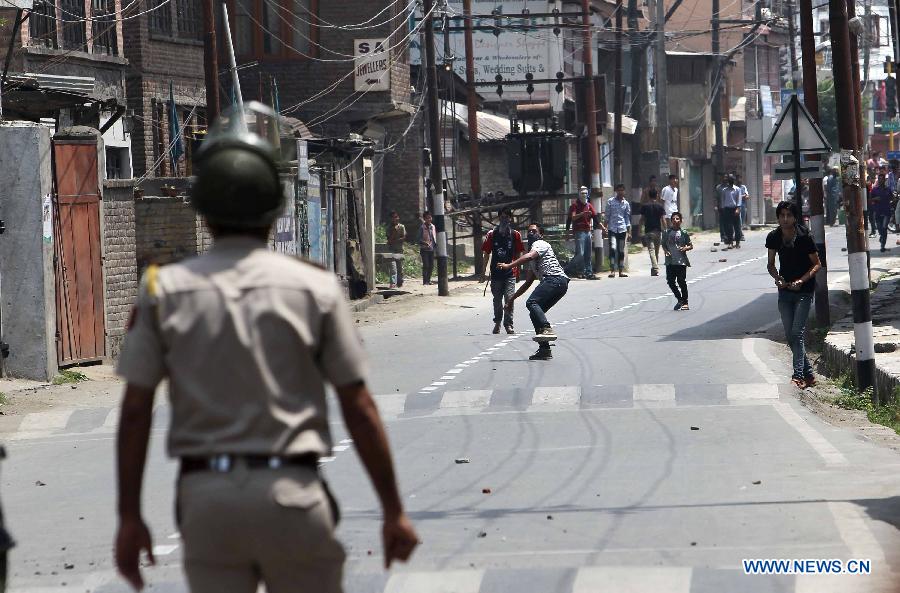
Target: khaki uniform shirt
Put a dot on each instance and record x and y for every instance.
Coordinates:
(248, 339)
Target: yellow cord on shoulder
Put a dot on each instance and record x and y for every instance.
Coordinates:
(151, 276)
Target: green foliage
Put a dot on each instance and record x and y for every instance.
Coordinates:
(4, 399)
(69, 376)
(850, 399)
(828, 119)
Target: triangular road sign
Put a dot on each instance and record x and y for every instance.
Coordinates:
(809, 137)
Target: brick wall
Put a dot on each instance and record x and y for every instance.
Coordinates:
(119, 261)
(403, 189)
(494, 168)
(166, 230)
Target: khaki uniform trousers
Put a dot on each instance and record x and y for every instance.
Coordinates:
(252, 526)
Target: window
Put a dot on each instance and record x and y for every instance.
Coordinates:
(160, 17)
(42, 23)
(73, 23)
(273, 28)
(190, 23)
(104, 26)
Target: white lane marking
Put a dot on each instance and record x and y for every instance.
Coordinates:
(448, 581)
(826, 450)
(112, 419)
(851, 524)
(454, 371)
(175, 535)
(339, 448)
(654, 392)
(40, 421)
(567, 396)
(427, 389)
(633, 579)
(466, 399)
(345, 441)
(748, 349)
(745, 391)
(326, 459)
(448, 377)
(164, 549)
(438, 383)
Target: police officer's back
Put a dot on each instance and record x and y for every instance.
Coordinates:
(248, 340)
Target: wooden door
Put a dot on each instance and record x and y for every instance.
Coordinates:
(81, 330)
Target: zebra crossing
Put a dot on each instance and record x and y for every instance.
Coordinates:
(444, 402)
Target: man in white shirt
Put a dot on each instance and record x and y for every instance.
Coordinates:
(669, 197)
(553, 284)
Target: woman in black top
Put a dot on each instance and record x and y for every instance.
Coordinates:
(796, 281)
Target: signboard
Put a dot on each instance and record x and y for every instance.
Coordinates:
(893, 155)
(796, 132)
(890, 126)
(512, 54)
(314, 221)
(765, 95)
(809, 170)
(285, 235)
(373, 65)
(302, 160)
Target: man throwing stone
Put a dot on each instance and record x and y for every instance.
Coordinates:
(553, 284)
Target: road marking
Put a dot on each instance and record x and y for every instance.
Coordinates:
(438, 383)
(633, 579)
(855, 532)
(454, 371)
(45, 421)
(450, 581)
(826, 450)
(654, 392)
(164, 550)
(339, 448)
(466, 399)
(112, 419)
(427, 389)
(326, 459)
(745, 391)
(569, 396)
(448, 377)
(175, 535)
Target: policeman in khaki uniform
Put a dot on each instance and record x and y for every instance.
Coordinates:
(248, 340)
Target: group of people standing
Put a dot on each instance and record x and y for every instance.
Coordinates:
(426, 239)
(732, 199)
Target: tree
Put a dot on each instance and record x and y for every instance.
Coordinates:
(828, 112)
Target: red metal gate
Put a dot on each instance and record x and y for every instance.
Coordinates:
(80, 327)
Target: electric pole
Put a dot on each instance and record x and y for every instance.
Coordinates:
(662, 92)
(635, 102)
(436, 184)
(210, 62)
(718, 71)
(620, 98)
(590, 121)
(816, 192)
(792, 34)
(472, 116)
(846, 92)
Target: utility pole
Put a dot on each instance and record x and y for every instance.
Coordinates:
(857, 244)
(590, 121)
(816, 192)
(718, 71)
(636, 109)
(792, 34)
(662, 92)
(210, 61)
(857, 110)
(472, 116)
(434, 138)
(620, 98)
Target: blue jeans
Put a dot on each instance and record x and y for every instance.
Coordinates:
(881, 223)
(584, 250)
(397, 272)
(617, 251)
(547, 294)
(502, 289)
(794, 309)
(745, 219)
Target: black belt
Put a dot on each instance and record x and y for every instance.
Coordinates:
(226, 462)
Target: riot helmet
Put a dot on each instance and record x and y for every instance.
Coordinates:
(237, 180)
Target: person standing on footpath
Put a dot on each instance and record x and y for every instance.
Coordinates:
(552, 286)
(796, 282)
(832, 197)
(730, 213)
(581, 214)
(881, 208)
(426, 237)
(745, 203)
(669, 197)
(618, 224)
(676, 244)
(653, 213)
(248, 339)
(396, 237)
(502, 245)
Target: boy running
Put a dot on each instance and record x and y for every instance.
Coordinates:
(552, 287)
(676, 243)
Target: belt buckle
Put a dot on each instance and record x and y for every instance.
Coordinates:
(220, 463)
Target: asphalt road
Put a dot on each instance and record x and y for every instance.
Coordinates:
(654, 453)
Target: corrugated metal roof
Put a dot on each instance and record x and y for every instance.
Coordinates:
(491, 127)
